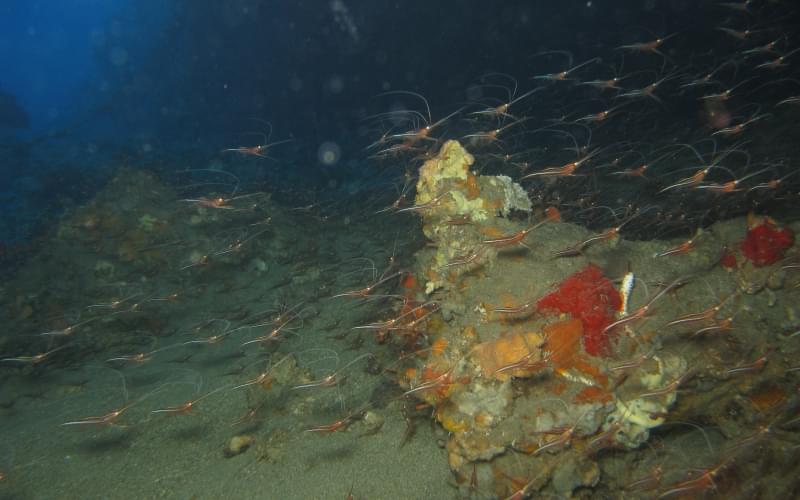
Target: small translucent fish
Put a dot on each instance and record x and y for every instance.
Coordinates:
(625, 292)
(573, 376)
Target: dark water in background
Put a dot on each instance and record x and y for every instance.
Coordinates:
(176, 82)
(339, 93)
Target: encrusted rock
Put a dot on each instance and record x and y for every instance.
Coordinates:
(572, 475)
(458, 208)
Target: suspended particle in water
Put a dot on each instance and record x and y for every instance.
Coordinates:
(474, 92)
(97, 37)
(259, 101)
(118, 56)
(335, 84)
(342, 16)
(329, 153)
(295, 84)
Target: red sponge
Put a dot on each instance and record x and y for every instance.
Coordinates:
(766, 244)
(591, 297)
